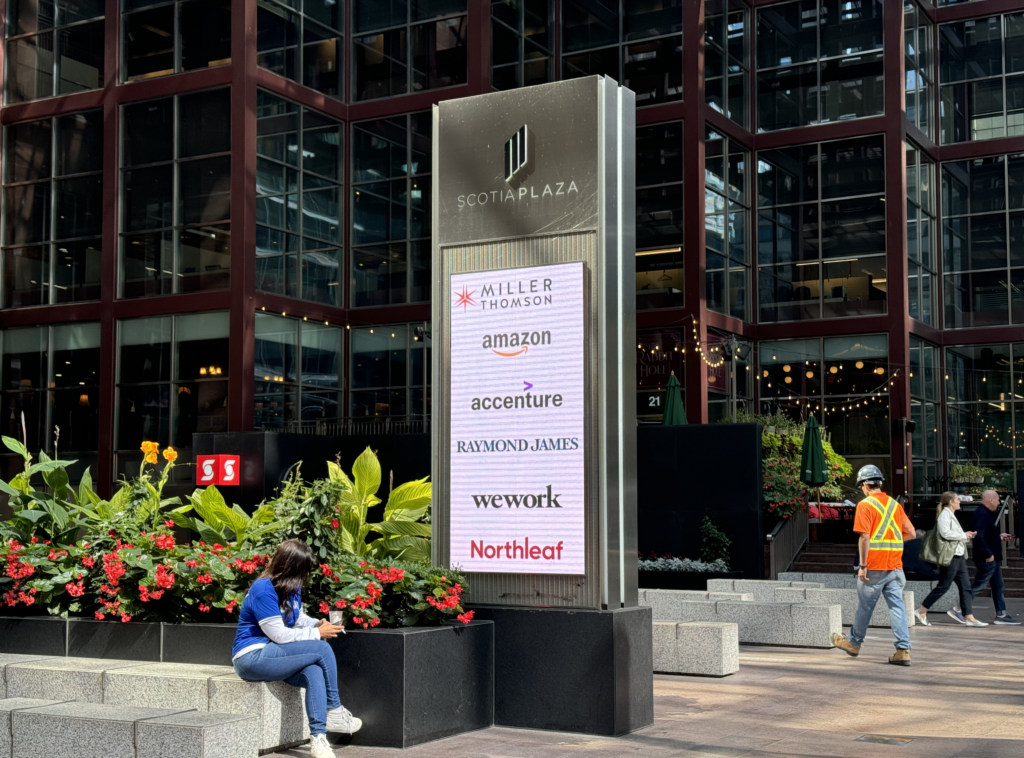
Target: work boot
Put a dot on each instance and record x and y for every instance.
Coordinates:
(900, 658)
(840, 641)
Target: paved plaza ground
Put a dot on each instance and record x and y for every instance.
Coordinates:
(962, 698)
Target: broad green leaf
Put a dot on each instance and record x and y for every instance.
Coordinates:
(336, 474)
(57, 480)
(48, 466)
(415, 494)
(5, 487)
(366, 473)
(409, 514)
(17, 447)
(410, 528)
(31, 515)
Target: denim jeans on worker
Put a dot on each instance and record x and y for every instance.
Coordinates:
(986, 572)
(308, 664)
(889, 585)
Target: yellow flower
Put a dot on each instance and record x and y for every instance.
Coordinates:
(170, 455)
(149, 447)
(150, 457)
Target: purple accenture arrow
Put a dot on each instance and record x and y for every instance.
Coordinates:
(527, 387)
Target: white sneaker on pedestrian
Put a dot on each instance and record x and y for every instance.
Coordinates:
(957, 616)
(976, 623)
(340, 720)
(320, 747)
(922, 620)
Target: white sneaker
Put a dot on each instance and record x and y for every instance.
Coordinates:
(922, 620)
(340, 720)
(976, 623)
(320, 747)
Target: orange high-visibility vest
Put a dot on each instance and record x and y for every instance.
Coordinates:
(888, 537)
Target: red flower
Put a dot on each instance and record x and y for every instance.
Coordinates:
(169, 523)
(340, 604)
(88, 561)
(324, 608)
(357, 619)
(325, 569)
(125, 618)
(204, 579)
(164, 578)
(75, 589)
(466, 617)
(99, 615)
(374, 622)
(191, 564)
(230, 607)
(165, 542)
(204, 608)
(334, 523)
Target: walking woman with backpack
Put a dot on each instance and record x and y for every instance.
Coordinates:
(950, 551)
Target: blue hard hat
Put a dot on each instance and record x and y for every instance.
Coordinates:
(869, 473)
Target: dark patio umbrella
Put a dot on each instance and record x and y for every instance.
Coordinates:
(675, 413)
(813, 470)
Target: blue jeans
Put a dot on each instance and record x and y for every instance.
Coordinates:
(308, 664)
(888, 584)
(986, 572)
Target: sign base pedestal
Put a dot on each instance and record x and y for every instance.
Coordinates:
(572, 670)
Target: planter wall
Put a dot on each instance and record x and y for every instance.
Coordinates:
(683, 580)
(415, 685)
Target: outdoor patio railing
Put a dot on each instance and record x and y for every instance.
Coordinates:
(785, 542)
(351, 427)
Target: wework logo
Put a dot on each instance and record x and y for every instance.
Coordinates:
(545, 499)
(516, 153)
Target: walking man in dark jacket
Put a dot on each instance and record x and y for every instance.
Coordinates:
(987, 553)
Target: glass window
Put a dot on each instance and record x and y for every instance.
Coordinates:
(298, 381)
(819, 61)
(659, 353)
(161, 38)
(726, 218)
(299, 155)
(391, 210)
(638, 44)
(391, 371)
(176, 194)
(982, 238)
(49, 376)
(980, 98)
(53, 210)
(843, 381)
(921, 254)
(401, 47)
(172, 382)
(521, 43)
(53, 49)
(920, 82)
(727, 58)
(925, 412)
(821, 231)
(659, 216)
(302, 42)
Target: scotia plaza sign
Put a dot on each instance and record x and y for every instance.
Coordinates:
(534, 402)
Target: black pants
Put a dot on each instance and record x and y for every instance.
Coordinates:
(956, 571)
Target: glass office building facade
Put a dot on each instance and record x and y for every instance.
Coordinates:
(217, 217)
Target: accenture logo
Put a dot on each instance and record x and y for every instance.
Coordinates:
(516, 153)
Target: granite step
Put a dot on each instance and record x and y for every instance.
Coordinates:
(277, 709)
(96, 730)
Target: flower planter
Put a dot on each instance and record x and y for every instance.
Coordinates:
(33, 635)
(683, 580)
(414, 685)
(135, 641)
(208, 644)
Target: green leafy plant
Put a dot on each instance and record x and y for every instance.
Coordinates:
(35, 511)
(402, 532)
(218, 523)
(969, 472)
(715, 546)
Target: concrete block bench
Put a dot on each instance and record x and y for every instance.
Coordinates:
(196, 735)
(770, 623)
(847, 599)
(696, 647)
(9, 706)
(277, 709)
(95, 730)
(848, 581)
(763, 590)
(7, 659)
(665, 603)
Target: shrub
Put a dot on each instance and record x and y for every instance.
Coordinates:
(714, 544)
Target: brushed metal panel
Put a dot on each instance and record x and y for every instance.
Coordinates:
(521, 589)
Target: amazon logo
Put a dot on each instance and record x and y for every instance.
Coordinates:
(514, 344)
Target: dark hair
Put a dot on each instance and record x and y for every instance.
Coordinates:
(289, 569)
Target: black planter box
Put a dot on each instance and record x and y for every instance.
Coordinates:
(208, 644)
(572, 670)
(134, 641)
(33, 635)
(683, 580)
(415, 685)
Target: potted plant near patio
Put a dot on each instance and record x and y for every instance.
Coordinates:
(969, 473)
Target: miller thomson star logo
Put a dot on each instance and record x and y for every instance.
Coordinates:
(516, 155)
(464, 298)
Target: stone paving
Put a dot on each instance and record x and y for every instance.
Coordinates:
(962, 698)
